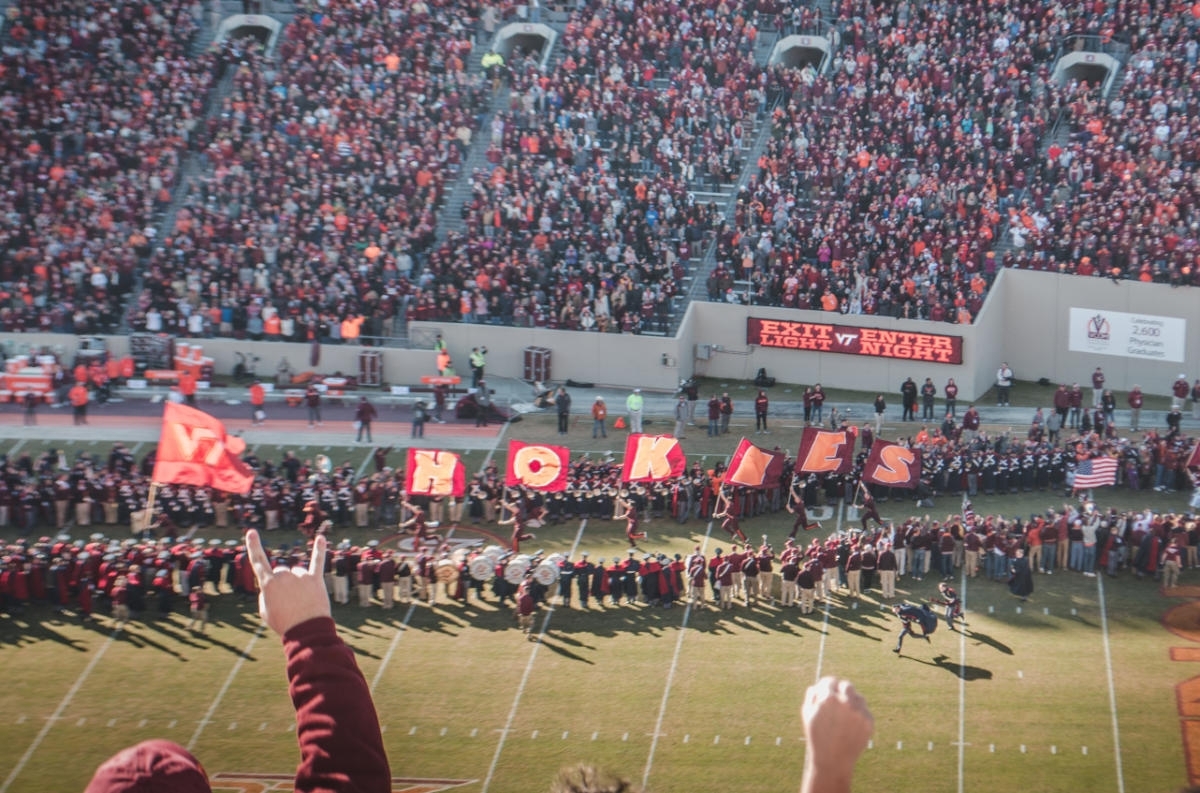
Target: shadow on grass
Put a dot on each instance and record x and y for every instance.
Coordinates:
(983, 638)
(964, 671)
(32, 632)
(141, 640)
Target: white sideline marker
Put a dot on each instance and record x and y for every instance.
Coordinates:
(992, 748)
(82, 721)
(443, 732)
(141, 724)
(779, 740)
(1020, 675)
(565, 734)
(747, 743)
(1018, 609)
(899, 745)
(929, 747)
(171, 724)
(870, 743)
(991, 609)
(716, 739)
(1022, 748)
(413, 730)
(1046, 610)
(1053, 750)
(262, 727)
(534, 736)
(625, 737)
(1085, 750)
(232, 726)
(474, 732)
(687, 738)
(112, 723)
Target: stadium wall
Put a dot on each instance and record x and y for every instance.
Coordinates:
(1026, 321)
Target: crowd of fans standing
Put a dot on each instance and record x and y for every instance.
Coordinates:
(934, 150)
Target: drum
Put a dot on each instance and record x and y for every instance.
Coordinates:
(546, 573)
(514, 571)
(495, 553)
(482, 568)
(446, 572)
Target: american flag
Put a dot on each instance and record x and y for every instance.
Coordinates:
(1096, 472)
(968, 512)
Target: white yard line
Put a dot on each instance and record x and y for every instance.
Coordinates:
(1112, 690)
(662, 707)
(492, 451)
(512, 713)
(400, 631)
(58, 712)
(825, 622)
(962, 685)
(224, 688)
(403, 629)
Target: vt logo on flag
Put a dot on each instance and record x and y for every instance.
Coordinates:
(193, 449)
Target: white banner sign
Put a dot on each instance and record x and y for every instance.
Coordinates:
(1127, 335)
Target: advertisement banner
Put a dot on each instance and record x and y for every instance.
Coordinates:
(854, 340)
(1117, 333)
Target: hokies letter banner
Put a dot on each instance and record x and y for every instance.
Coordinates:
(892, 465)
(435, 473)
(652, 458)
(537, 466)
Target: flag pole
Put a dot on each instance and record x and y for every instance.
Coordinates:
(148, 514)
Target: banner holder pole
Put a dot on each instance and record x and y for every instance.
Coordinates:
(149, 512)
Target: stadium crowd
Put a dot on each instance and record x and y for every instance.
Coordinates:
(1115, 196)
(100, 101)
(585, 216)
(897, 182)
(324, 169)
(54, 495)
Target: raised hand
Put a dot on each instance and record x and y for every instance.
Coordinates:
(837, 726)
(289, 596)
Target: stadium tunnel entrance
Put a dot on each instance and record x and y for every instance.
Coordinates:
(264, 28)
(796, 52)
(525, 37)
(1093, 74)
(1096, 68)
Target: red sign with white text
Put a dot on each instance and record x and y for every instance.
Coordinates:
(853, 340)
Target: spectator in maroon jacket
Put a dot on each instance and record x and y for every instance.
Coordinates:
(341, 748)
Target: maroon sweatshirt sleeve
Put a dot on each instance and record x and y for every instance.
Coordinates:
(341, 749)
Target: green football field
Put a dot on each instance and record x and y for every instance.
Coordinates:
(1075, 689)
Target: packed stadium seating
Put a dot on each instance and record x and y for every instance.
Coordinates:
(100, 99)
(323, 173)
(936, 149)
